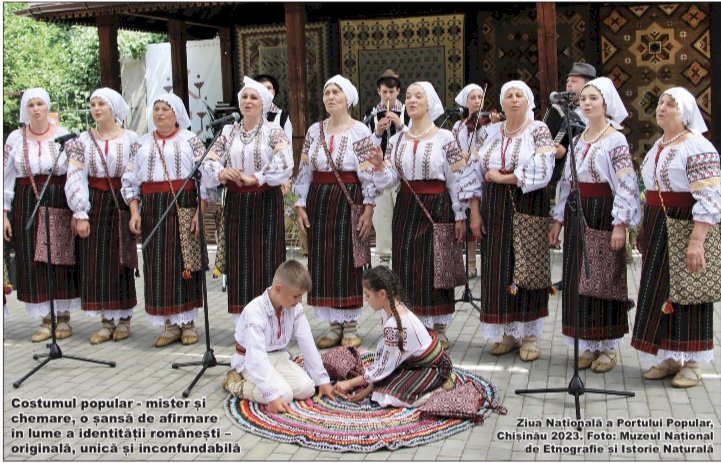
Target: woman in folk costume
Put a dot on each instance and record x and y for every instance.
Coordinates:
(253, 158)
(470, 133)
(158, 167)
(510, 173)
(409, 362)
(610, 201)
(431, 162)
(338, 143)
(682, 170)
(98, 160)
(29, 155)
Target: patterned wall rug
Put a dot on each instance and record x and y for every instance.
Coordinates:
(419, 48)
(262, 50)
(647, 48)
(344, 426)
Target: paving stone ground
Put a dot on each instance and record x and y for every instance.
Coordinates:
(143, 374)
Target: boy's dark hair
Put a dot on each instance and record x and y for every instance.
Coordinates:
(390, 79)
(293, 274)
(268, 78)
(381, 277)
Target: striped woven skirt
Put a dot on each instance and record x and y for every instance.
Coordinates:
(497, 260)
(166, 292)
(600, 319)
(336, 282)
(690, 327)
(255, 242)
(413, 250)
(104, 283)
(419, 375)
(32, 284)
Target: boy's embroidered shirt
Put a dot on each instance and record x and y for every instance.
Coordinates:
(260, 331)
(388, 356)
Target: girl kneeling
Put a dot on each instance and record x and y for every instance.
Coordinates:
(409, 360)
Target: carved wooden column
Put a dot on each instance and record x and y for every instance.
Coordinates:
(109, 54)
(177, 30)
(297, 74)
(547, 52)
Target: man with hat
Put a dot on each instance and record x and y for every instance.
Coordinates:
(389, 118)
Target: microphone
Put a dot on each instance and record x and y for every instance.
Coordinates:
(66, 138)
(458, 111)
(557, 97)
(235, 117)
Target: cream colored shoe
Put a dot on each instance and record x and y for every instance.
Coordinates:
(170, 335)
(529, 351)
(331, 337)
(104, 334)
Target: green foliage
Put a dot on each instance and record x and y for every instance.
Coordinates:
(60, 58)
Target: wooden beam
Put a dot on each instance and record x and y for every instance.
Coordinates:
(297, 74)
(177, 30)
(226, 63)
(109, 54)
(547, 51)
(715, 27)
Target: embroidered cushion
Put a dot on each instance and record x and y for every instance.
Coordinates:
(465, 401)
(342, 362)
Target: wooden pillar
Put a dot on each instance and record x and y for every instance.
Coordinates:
(297, 74)
(109, 54)
(226, 63)
(547, 51)
(177, 30)
(715, 27)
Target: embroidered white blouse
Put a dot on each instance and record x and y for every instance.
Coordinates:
(349, 149)
(179, 152)
(606, 161)
(388, 356)
(690, 166)
(85, 162)
(530, 156)
(435, 158)
(266, 154)
(260, 331)
(470, 142)
(41, 157)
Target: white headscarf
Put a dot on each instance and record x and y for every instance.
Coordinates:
(351, 93)
(615, 110)
(174, 101)
(462, 98)
(687, 106)
(28, 95)
(519, 84)
(263, 92)
(435, 107)
(115, 100)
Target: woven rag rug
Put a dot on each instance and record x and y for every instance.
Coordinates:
(344, 426)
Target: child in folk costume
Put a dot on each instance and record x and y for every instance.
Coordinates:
(107, 287)
(410, 362)
(389, 118)
(262, 369)
(29, 155)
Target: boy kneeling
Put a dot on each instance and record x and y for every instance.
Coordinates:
(262, 370)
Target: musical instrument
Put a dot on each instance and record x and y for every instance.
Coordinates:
(555, 119)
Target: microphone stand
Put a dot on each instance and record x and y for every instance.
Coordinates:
(577, 238)
(54, 352)
(467, 295)
(209, 359)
